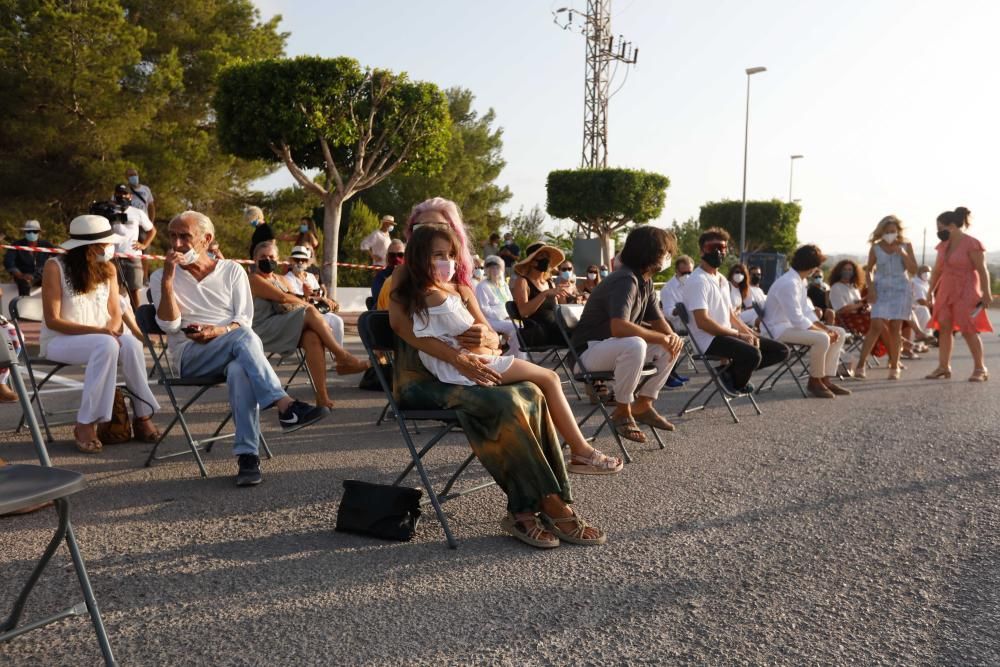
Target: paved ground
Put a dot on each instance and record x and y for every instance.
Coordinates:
(863, 530)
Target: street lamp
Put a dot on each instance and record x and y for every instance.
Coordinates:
(746, 140)
(791, 173)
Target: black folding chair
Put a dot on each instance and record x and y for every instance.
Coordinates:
(379, 340)
(567, 317)
(146, 318)
(25, 486)
(161, 343)
(714, 380)
(796, 357)
(540, 354)
(370, 303)
(300, 366)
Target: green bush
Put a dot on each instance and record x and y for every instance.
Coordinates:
(771, 225)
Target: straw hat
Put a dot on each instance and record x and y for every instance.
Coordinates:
(537, 251)
(89, 229)
(32, 226)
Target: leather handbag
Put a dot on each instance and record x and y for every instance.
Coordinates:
(379, 510)
(119, 429)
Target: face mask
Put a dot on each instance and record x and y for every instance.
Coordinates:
(109, 254)
(847, 275)
(737, 278)
(565, 275)
(713, 259)
(604, 273)
(542, 264)
(943, 234)
(31, 236)
(266, 265)
(664, 263)
(682, 278)
(190, 257)
(890, 237)
(298, 268)
(591, 276)
(816, 280)
(493, 272)
(133, 181)
(389, 230)
(123, 200)
(509, 242)
(477, 274)
(444, 270)
(925, 276)
(303, 229)
(754, 279)
(254, 223)
(211, 255)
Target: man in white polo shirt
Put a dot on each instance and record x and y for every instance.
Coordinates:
(377, 243)
(716, 327)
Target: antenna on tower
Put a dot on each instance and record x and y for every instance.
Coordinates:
(601, 49)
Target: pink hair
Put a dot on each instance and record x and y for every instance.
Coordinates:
(449, 209)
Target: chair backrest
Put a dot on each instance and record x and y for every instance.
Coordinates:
(682, 312)
(370, 303)
(145, 317)
(26, 308)
(380, 341)
(567, 317)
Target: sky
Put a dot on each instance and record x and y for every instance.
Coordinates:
(889, 101)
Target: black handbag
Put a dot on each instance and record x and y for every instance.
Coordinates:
(379, 510)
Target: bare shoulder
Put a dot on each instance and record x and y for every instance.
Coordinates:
(435, 297)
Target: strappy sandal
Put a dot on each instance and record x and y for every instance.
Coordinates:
(979, 375)
(598, 463)
(353, 366)
(628, 429)
(144, 430)
(652, 418)
(574, 535)
(93, 446)
(938, 374)
(530, 533)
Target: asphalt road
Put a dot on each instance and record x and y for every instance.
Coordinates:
(862, 530)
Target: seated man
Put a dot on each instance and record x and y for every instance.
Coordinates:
(25, 266)
(756, 295)
(611, 335)
(670, 295)
(205, 307)
(394, 257)
(714, 325)
(791, 319)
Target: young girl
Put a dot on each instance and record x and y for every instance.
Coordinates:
(443, 309)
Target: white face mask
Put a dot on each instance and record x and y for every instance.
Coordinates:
(444, 269)
(297, 268)
(925, 276)
(190, 257)
(682, 278)
(109, 254)
(477, 274)
(592, 276)
(737, 278)
(664, 263)
(890, 237)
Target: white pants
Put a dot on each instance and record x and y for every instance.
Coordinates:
(101, 355)
(749, 317)
(506, 328)
(12, 336)
(626, 357)
(336, 325)
(824, 355)
(923, 314)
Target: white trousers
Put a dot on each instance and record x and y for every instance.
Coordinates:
(336, 325)
(823, 355)
(923, 314)
(506, 328)
(101, 355)
(626, 357)
(12, 336)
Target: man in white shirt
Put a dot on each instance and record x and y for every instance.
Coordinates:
(757, 296)
(790, 318)
(713, 324)
(136, 220)
(377, 243)
(205, 307)
(920, 286)
(670, 294)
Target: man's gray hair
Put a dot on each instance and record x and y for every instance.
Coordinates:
(205, 225)
(397, 243)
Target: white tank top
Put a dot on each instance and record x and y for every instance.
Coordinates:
(90, 309)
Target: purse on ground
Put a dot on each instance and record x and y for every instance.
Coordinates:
(379, 510)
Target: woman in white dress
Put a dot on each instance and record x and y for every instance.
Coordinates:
(304, 284)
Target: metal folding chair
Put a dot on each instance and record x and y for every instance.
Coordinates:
(714, 380)
(24, 486)
(796, 357)
(567, 317)
(146, 319)
(546, 354)
(378, 339)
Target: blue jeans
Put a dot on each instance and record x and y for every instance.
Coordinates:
(251, 381)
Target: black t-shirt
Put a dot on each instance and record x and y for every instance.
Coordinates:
(510, 253)
(623, 295)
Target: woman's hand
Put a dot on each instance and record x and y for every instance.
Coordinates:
(476, 370)
(479, 335)
(987, 299)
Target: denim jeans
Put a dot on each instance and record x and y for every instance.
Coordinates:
(252, 382)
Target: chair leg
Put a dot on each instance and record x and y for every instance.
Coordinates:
(424, 479)
(381, 417)
(88, 591)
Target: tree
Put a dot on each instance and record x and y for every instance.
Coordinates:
(358, 126)
(771, 225)
(687, 234)
(527, 227)
(602, 201)
(471, 167)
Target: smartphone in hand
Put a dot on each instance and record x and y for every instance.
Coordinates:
(191, 328)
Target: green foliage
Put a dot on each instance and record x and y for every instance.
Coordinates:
(687, 234)
(601, 201)
(771, 225)
(527, 227)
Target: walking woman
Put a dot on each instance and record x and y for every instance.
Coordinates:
(890, 259)
(960, 285)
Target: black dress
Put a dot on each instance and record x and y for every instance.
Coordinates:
(541, 328)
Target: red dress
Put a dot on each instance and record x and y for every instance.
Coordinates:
(958, 290)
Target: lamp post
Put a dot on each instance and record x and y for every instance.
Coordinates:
(791, 174)
(746, 142)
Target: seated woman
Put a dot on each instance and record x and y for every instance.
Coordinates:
(284, 322)
(567, 280)
(447, 358)
(739, 294)
(306, 286)
(851, 311)
(492, 293)
(592, 280)
(83, 325)
(537, 296)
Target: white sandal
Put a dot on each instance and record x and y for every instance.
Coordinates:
(598, 463)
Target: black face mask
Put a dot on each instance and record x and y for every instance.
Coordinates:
(542, 264)
(943, 234)
(266, 265)
(754, 279)
(713, 259)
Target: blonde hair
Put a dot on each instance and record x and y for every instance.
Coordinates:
(252, 213)
(880, 229)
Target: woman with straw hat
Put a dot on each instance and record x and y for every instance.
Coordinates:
(536, 295)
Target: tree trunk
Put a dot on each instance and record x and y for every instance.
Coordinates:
(607, 248)
(332, 209)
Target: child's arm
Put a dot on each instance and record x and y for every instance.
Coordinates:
(472, 305)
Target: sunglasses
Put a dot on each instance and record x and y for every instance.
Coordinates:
(397, 254)
(721, 247)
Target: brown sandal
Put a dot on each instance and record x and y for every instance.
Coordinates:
(575, 534)
(353, 366)
(528, 531)
(628, 429)
(92, 446)
(147, 432)
(652, 418)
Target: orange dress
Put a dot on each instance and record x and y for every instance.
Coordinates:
(958, 289)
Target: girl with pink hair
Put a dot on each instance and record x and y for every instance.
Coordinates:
(439, 210)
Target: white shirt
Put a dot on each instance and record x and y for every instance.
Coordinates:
(788, 305)
(137, 219)
(739, 303)
(919, 288)
(222, 297)
(296, 280)
(378, 242)
(493, 299)
(670, 295)
(843, 294)
(144, 192)
(704, 291)
(757, 295)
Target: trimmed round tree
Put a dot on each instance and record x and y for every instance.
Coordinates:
(358, 126)
(602, 201)
(771, 225)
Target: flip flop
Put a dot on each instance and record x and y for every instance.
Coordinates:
(599, 463)
(628, 429)
(652, 418)
(528, 534)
